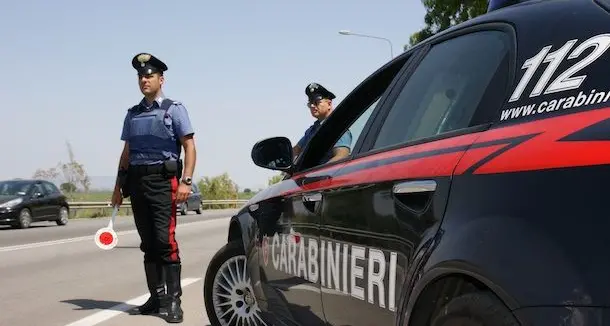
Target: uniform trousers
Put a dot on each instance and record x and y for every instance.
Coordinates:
(153, 201)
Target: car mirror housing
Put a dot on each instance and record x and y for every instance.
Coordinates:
(273, 153)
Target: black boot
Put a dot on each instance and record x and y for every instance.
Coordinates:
(170, 306)
(156, 285)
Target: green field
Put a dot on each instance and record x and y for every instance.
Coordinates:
(105, 196)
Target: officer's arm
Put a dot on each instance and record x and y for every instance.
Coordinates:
(190, 155)
(184, 130)
(124, 158)
(296, 150)
(342, 147)
(339, 153)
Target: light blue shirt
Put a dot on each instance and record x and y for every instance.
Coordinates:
(344, 141)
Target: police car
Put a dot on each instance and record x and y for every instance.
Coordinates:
(476, 192)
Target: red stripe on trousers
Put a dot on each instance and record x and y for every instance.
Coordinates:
(172, 222)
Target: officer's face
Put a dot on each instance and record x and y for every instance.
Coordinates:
(150, 84)
(321, 108)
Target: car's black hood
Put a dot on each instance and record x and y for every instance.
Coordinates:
(5, 198)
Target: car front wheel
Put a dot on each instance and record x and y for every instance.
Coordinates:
(25, 219)
(62, 218)
(475, 309)
(227, 291)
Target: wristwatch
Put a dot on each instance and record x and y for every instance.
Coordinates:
(187, 181)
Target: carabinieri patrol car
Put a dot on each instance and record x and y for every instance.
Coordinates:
(476, 192)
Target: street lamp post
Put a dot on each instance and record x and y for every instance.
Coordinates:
(347, 32)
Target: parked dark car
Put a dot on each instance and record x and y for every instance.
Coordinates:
(23, 202)
(475, 193)
(193, 202)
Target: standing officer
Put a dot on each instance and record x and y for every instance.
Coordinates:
(150, 172)
(320, 105)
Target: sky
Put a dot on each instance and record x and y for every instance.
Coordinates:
(240, 67)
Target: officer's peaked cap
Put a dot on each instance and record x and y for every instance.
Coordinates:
(315, 91)
(146, 64)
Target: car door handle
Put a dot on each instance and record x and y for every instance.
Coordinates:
(415, 195)
(310, 198)
(311, 201)
(418, 186)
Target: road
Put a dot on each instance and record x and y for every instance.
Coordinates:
(55, 275)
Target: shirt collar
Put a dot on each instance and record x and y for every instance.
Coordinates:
(158, 101)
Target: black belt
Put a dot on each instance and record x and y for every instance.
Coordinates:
(146, 169)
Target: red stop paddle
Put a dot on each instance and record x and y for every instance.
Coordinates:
(106, 238)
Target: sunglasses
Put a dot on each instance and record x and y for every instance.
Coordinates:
(315, 103)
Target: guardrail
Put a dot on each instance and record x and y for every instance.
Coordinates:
(126, 204)
(92, 209)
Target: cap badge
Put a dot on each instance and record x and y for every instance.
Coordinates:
(143, 58)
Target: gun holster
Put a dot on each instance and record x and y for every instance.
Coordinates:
(124, 183)
(173, 168)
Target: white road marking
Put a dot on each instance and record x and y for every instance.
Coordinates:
(55, 242)
(90, 237)
(111, 312)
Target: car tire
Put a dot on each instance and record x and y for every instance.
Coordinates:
(216, 287)
(199, 209)
(62, 217)
(25, 219)
(184, 209)
(475, 309)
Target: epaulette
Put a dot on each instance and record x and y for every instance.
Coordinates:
(133, 107)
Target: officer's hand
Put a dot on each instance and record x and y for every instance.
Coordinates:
(183, 193)
(117, 198)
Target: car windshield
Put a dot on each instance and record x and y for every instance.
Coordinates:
(14, 188)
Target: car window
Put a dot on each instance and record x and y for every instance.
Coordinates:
(447, 87)
(357, 127)
(50, 188)
(37, 188)
(352, 116)
(354, 131)
(14, 188)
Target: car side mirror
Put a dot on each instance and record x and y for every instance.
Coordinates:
(37, 195)
(273, 153)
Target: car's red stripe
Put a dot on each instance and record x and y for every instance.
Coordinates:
(545, 150)
(542, 151)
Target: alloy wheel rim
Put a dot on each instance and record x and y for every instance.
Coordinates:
(63, 213)
(25, 218)
(232, 295)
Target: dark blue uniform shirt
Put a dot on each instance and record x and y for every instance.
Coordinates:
(154, 134)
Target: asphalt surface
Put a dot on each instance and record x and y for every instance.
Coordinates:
(55, 275)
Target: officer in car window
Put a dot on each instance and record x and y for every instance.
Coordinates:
(150, 172)
(320, 105)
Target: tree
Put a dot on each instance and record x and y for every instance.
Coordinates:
(275, 179)
(48, 174)
(72, 174)
(67, 187)
(442, 14)
(218, 187)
